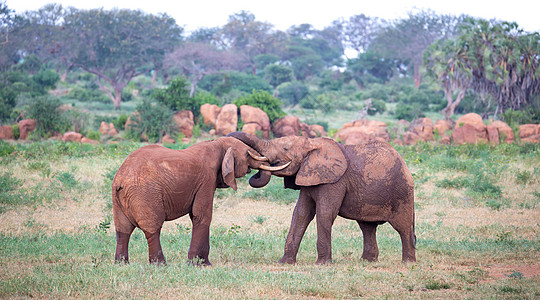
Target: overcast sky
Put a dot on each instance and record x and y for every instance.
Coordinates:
(285, 13)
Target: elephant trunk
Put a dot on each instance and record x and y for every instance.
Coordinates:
(260, 179)
(249, 139)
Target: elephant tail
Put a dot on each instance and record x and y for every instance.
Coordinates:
(413, 235)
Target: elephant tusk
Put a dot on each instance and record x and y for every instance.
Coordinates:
(272, 169)
(256, 157)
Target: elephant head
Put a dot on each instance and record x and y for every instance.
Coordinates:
(301, 161)
(239, 158)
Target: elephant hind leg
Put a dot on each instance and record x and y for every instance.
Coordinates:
(155, 253)
(124, 229)
(408, 239)
(369, 231)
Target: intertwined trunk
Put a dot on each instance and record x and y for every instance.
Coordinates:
(452, 103)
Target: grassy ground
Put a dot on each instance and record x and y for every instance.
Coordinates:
(477, 224)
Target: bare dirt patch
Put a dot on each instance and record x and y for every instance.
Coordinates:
(516, 271)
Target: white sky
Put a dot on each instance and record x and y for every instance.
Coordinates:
(282, 14)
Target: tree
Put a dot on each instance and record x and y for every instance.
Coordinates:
(370, 67)
(495, 59)
(10, 26)
(360, 30)
(450, 65)
(506, 62)
(250, 38)
(120, 44)
(197, 60)
(407, 39)
(277, 74)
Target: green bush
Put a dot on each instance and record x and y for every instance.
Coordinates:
(324, 102)
(514, 118)
(46, 78)
(156, 121)
(291, 93)
(93, 135)
(176, 97)
(120, 122)
(221, 84)
(15, 131)
(265, 101)
(377, 106)
(408, 112)
(49, 118)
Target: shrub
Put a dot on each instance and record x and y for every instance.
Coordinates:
(46, 78)
(93, 135)
(221, 84)
(377, 106)
(265, 101)
(176, 96)
(515, 117)
(408, 112)
(120, 122)
(156, 121)
(49, 119)
(322, 102)
(292, 93)
(7, 102)
(15, 131)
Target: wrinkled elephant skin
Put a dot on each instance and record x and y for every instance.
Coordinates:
(156, 184)
(369, 183)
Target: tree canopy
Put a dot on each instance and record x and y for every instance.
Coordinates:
(494, 63)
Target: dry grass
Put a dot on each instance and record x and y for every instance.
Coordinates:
(466, 248)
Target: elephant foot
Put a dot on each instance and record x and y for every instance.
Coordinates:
(370, 258)
(287, 260)
(408, 260)
(199, 262)
(121, 260)
(158, 262)
(324, 261)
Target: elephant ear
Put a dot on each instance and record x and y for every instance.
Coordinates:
(227, 169)
(325, 163)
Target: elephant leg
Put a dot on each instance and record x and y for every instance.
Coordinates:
(369, 231)
(408, 239)
(201, 217)
(304, 212)
(326, 214)
(155, 253)
(124, 229)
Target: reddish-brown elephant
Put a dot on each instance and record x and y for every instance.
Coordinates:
(369, 183)
(157, 184)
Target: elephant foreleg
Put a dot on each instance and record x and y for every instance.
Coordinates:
(369, 231)
(326, 215)
(201, 217)
(302, 216)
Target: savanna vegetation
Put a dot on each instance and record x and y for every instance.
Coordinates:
(477, 206)
(105, 64)
(477, 212)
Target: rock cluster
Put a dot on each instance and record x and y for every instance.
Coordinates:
(468, 129)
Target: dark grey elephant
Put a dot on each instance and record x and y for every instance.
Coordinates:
(369, 183)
